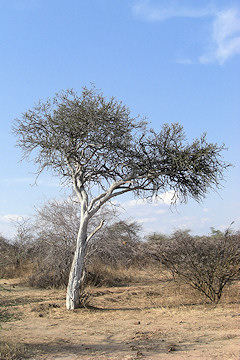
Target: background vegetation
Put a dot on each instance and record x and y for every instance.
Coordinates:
(42, 252)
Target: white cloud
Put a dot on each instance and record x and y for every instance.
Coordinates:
(159, 217)
(11, 218)
(184, 61)
(134, 203)
(31, 181)
(10, 181)
(150, 214)
(161, 211)
(225, 38)
(156, 11)
(205, 220)
(147, 220)
(166, 198)
(190, 222)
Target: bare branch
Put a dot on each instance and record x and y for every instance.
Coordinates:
(95, 231)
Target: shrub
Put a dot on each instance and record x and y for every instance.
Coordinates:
(49, 241)
(118, 245)
(8, 258)
(207, 264)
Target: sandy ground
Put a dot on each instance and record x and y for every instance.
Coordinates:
(152, 322)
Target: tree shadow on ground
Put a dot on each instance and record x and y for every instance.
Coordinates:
(109, 347)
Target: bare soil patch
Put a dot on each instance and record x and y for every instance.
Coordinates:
(152, 319)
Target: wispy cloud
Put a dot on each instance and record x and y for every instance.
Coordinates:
(8, 218)
(184, 61)
(159, 217)
(155, 11)
(11, 181)
(225, 37)
(147, 220)
(30, 181)
(148, 213)
(166, 198)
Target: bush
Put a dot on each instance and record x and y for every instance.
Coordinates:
(208, 264)
(9, 261)
(49, 242)
(118, 245)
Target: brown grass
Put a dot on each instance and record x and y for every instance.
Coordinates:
(12, 351)
(152, 318)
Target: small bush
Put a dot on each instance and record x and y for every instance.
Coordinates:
(208, 264)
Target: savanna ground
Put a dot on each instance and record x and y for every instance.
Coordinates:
(152, 317)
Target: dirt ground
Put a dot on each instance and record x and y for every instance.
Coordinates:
(152, 320)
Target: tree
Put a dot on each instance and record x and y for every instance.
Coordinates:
(97, 146)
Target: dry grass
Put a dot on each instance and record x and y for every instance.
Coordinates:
(106, 275)
(152, 317)
(12, 351)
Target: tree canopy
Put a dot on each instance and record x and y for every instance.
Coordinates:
(95, 141)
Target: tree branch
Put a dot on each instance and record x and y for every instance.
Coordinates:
(95, 231)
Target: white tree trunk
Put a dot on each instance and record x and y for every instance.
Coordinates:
(76, 275)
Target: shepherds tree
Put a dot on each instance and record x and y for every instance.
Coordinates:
(94, 143)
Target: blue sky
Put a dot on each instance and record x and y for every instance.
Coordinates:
(167, 60)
